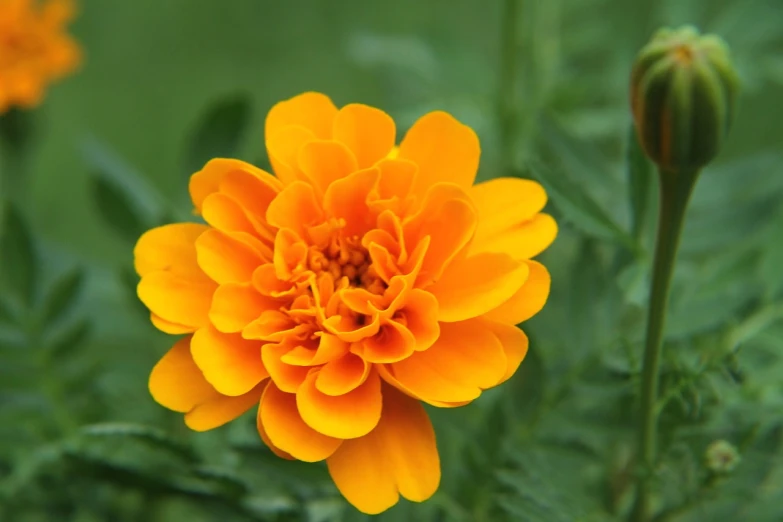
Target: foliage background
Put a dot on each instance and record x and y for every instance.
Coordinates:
(166, 85)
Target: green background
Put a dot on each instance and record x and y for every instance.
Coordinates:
(80, 437)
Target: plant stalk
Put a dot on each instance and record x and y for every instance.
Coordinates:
(675, 191)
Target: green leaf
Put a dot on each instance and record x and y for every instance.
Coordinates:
(640, 185)
(62, 296)
(19, 267)
(219, 132)
(118, 209)
(72, 336)
(576, 206)
(123, 197)
(155, 437)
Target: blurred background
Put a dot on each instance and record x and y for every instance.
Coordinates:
(166, 85)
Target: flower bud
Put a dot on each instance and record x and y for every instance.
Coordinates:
(683, 91)
(721, 457)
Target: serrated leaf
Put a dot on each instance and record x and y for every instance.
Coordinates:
(148, 434)
(19, 266)
(218, 133)
(62, 296)
(72, 336)
(577, 207)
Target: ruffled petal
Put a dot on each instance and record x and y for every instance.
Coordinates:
(221, 409)
(324, 162)
(466, 359)
(287, 377)
(209, 179)
(295, 208)
(287, 431)
(227, 257)
(448, 218)
(170, 248)
(368, 132)
(342, 375)
(229, 363)
(444, 149)
(346, 416)
(475, 285)
(399, 456)
(176, 299)
(522, 241)
(515, 345)
(176, 382)
(311, 110)
(347, 199)
(528, 300)
(505, 202)
(234, 306)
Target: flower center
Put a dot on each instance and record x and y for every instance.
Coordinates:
(348, 262)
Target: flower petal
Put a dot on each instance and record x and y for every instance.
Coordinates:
(522, 241)
(368, 132)
(421, 318)
(475, 285)
(234, 306)
(220, 410)
(282, 147)
(296, 208)
(286, 430)
(449, 219)
(392, 343)
(505, 202)
(169, 327)
(346, 199)
(515, 345)
(214, 173)
(342, 375)
(346, 416)
(311, 110)
(176, 382)
(265, 437)
(466, 359)
(171, 248)
(399, 455)
(528, 300)
(444, 149)
(287, 377)
(253, 189)
(227, 257)
(224, 213)
(325, 161)
(176, 299)
(230, 363)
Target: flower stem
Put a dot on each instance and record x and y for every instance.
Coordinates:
(507, 88)
(675, 191)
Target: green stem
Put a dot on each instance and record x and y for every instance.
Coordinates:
(675, 190)
(507, 88)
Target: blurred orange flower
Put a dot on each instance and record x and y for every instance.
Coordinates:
(34, 49)
(359, 282)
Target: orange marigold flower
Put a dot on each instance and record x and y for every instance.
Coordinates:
(359, 282)
(34, 49)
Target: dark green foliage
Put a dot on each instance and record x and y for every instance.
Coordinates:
(80, 437)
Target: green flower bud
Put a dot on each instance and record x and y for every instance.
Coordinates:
(721, 457)
(683, 91)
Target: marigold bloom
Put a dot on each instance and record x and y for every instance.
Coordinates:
(34, 49)
(359, 282)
